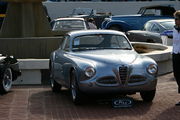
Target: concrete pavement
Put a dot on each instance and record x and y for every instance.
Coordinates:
(39, 103)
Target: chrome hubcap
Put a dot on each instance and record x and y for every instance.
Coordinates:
(7, 79)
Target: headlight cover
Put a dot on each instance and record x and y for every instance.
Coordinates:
(152, 69)
(90, 71)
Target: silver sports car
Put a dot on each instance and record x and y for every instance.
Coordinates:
(101, 62)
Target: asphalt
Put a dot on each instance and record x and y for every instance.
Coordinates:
(40, 103)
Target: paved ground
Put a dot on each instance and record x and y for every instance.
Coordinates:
(39, 103)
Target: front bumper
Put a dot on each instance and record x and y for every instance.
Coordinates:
(96, 88)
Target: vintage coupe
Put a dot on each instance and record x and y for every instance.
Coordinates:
(61, 26)
(101, 62)
(9, 71)
(152, 31)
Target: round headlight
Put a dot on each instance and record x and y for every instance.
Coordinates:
(152, 69)
(90, 71)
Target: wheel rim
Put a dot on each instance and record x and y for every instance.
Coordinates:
(7, 79)
(73, 88)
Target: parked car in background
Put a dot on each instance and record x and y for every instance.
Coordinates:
(87, 13)
(101, 62)
(152, 31)
(9, 71)
(136, 22)
(61, 26)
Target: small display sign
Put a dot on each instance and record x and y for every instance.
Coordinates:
(122, 102)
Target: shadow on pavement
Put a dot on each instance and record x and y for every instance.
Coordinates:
(60, 106)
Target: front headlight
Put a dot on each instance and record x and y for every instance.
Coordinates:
(152, 69)
(90, 71)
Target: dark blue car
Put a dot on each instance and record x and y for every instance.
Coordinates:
(136, 22)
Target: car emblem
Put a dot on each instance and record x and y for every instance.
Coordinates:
(123, 102)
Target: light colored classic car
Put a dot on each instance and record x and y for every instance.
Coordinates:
(61, 26)
(101, 62)
(152, 31)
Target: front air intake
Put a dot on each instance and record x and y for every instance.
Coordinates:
(123, 73)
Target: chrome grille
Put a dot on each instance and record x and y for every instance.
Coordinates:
(123, 73)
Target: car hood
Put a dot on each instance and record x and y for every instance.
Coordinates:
(108, 56)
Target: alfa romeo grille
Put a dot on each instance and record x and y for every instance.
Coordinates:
(123, 73)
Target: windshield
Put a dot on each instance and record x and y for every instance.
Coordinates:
(100, 41)
(169, 25)
(69, 25)
(82, 11)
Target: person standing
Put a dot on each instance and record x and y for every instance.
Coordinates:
(91, 23)
(176, 50)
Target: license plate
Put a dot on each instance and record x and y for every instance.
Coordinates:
(122, 102)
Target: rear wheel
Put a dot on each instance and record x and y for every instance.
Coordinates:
(6, 82)
(148, 96)
(75, 92)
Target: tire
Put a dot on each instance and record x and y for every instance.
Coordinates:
(148, 96)
(76, 94)
(6, 82)
(56, 87)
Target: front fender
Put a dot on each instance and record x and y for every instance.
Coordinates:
(122, 24)
(67, 69)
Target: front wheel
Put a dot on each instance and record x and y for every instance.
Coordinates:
(148, 96)
(75, 92)
(6, 82)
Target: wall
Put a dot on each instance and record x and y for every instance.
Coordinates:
(29, 47)
(63, 9)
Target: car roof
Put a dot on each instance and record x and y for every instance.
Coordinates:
(157, 6)
(165, 9)
(89, 32)
(69, 19)
(161, 20)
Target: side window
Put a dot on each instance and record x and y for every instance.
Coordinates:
(57, 25)
(147, 26)
(155, 29)
(153, 12)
